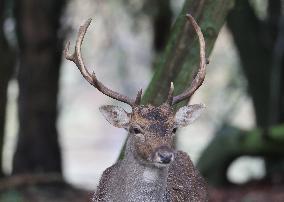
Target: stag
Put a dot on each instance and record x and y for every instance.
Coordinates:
(151, 170)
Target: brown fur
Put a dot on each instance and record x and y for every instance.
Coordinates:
(157, 124)
(184, 182)
(154, 120)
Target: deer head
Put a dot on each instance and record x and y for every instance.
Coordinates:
(151, 128)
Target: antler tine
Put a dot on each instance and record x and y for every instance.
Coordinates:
(199, 78)
(76, 57)
(138, 97)
(171, 94)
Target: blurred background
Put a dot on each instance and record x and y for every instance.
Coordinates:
(55, 144)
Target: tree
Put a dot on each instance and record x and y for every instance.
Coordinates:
(181, 55)
(40, 57)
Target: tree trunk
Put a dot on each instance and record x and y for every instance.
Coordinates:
(162, 16)
(181, 55)
(40, 57)
(7, 58)
(255, 44)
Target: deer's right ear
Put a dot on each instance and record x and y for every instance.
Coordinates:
(116, 116)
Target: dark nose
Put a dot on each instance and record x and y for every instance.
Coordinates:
(165, 157)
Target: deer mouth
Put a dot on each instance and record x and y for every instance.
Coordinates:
(161, 165)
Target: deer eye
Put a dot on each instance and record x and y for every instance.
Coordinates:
(174, 130)
(136, 130)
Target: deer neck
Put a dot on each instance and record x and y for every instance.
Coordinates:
(143, 182)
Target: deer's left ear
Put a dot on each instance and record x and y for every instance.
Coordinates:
(116, 116)
(187, 114)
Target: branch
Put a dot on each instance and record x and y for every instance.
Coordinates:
(231, 143)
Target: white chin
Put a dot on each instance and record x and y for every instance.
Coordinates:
(161, 165)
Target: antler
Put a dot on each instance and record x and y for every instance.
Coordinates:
(199, 78)
(76, 57)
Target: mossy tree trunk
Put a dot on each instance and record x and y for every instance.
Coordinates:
(181, 55)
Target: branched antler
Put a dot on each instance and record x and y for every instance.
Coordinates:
(76, 57)
(199, 78)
